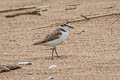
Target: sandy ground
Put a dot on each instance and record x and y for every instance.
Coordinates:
(93, 54)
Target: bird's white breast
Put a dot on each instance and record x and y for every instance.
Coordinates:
(59, 40)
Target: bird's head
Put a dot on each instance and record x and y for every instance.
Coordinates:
(67, 25)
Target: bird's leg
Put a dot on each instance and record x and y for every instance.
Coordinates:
(56, 52)
(53, 49)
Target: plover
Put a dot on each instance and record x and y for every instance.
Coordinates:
(56, 37)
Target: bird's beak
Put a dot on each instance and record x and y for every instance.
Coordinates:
(71, 27)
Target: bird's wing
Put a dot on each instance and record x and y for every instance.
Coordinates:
(55, 35)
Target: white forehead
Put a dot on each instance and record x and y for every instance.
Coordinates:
(68, 24)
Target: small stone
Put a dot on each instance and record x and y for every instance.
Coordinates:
(52, 66)
(24, 63)
(5, 53)
(33, 78)
(51, 77)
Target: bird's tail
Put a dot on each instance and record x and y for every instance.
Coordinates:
(37, 43)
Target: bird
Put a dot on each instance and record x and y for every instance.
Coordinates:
(56, 37)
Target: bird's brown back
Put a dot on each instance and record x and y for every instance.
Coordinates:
(54, 35)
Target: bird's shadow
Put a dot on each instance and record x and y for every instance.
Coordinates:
(61, 57)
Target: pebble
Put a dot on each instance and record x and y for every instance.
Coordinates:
(5, 53)
(51, 77)
(52, 66)
(24, 63)
(33, 78)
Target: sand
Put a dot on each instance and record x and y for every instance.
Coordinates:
(91, 52)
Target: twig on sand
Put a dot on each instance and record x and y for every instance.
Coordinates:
(35, 12)
(93, 17)
(18, 9)
(71, 8)
(23, 8)
(79, 20)
(77, 4)
(9, 67)
(85, 17)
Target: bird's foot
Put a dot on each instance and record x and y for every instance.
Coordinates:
(51, 58)
(58, 56)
